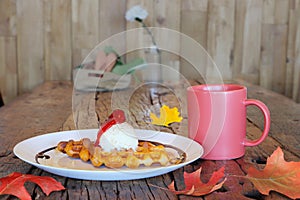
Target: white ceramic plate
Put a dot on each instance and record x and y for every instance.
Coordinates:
(61, 164)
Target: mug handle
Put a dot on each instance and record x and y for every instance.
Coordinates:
(267, 120)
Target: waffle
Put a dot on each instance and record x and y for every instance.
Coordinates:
(146, 154)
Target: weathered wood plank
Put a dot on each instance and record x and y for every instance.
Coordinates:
(30, 46)
(247, 40)
(194, 20)
(273, 57)
(111, 18)
(296, 80)
(193, 24)
(220, 36)
(275, 12)
(134, 40)
(8, 68)
(279, 67)
(290, 63)
(190, 5)
(58, 46)
(85, 28)
(274, 45)
(167, 15)
(8, 51)
(8, 18)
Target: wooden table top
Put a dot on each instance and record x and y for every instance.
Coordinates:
(48, 109)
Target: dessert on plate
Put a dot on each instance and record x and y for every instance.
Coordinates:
(117, 145)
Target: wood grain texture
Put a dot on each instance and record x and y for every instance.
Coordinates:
(285, 116)
(33, 110)
(273, 57)
(296, 79)
(8, 18)
(247, 42)
(58, 45)
(254, 40)
(275, 12)
(193, 24)
(113, 24)
(167, 15)
(30, 44)
(85, 31)
(137, 38)
(8, 68)
(220, 37)
(50, 109)
(291, 49)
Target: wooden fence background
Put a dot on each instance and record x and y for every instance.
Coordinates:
(257, 40)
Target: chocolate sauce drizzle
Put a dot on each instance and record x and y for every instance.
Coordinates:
(42, 155)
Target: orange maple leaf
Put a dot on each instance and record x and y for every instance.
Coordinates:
(278, 175)
(167, 116)
(195, 187)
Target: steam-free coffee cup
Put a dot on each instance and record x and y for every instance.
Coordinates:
(217, 119)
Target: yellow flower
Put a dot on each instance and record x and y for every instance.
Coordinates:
(167, 116)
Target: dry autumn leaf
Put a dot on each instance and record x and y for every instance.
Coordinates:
(13, 184)
(167, 116)
(195, 187)
(278, 175)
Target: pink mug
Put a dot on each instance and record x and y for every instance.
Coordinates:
(217, 119)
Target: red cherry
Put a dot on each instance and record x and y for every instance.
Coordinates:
(118, 115)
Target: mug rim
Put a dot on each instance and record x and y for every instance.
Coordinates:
(216, 88)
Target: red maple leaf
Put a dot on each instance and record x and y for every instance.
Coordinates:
(195, 187)
(278, 175)
(13, 184)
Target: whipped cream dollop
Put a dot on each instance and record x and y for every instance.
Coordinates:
(119, 136)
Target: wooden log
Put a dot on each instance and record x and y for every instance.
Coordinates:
(85, 113)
